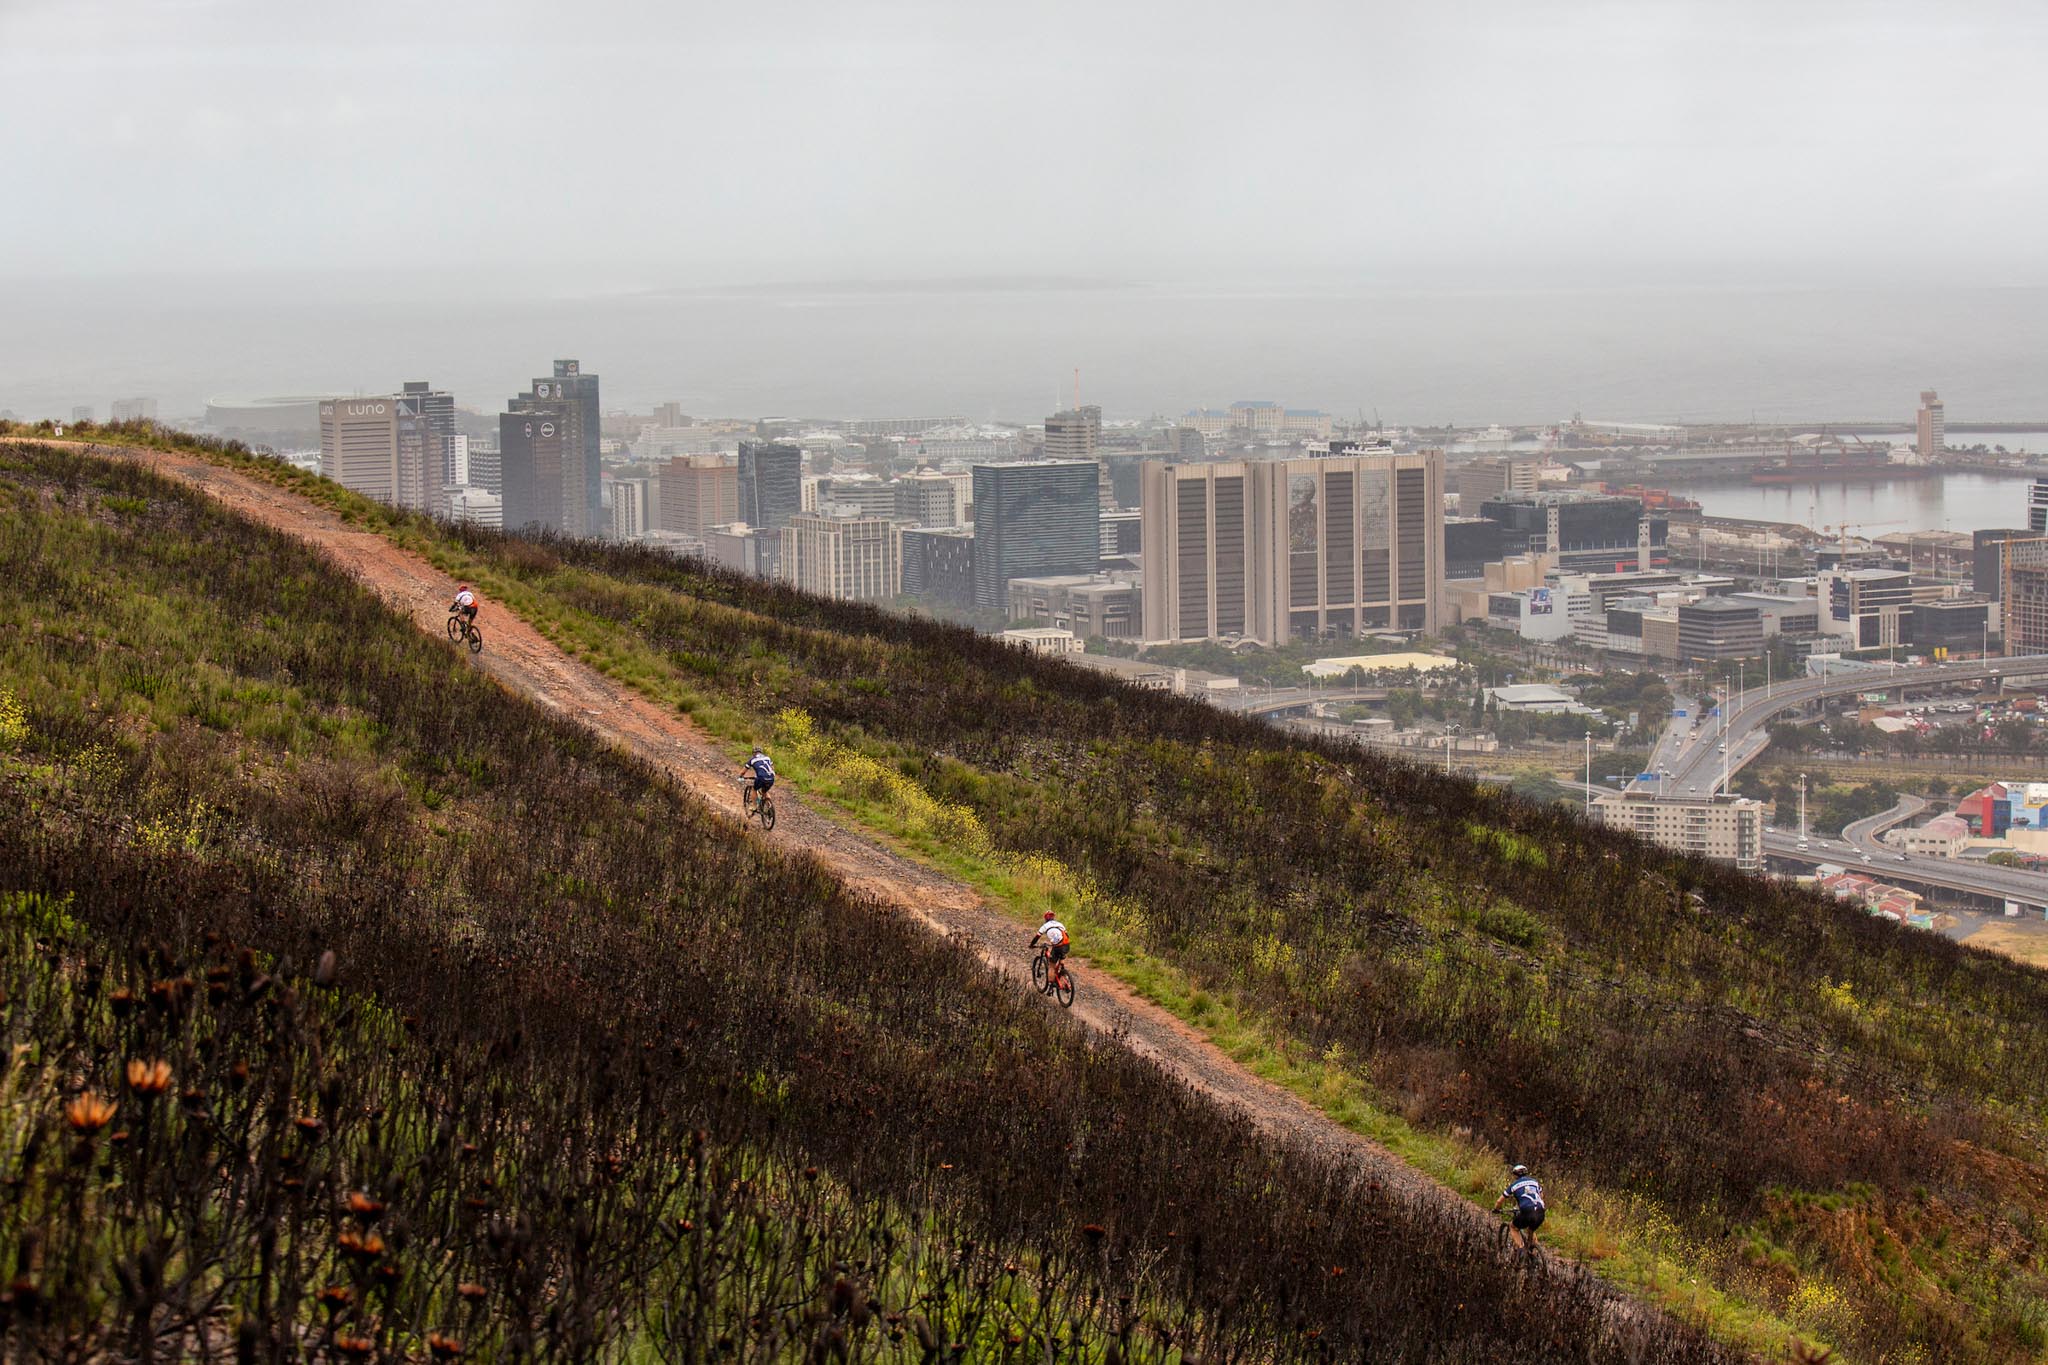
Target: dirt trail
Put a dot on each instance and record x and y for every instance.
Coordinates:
(526, 662)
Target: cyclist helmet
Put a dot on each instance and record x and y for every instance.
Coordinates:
(1520, 1171)
(758, 751)
(462, 587)
(1049, 915)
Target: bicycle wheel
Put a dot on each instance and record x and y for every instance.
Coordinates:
(1063, 988)
(767, 815)
(476, 640)
(455, 628)
(1038, 972)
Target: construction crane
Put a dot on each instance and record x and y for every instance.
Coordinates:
(1861, 526)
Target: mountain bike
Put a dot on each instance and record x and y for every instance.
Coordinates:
(1052, 978)
(752, 809)
(461, 628)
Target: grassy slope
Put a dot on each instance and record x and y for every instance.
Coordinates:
(1746, 1095)
(211, 743)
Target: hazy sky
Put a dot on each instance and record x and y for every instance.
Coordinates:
(625, 142)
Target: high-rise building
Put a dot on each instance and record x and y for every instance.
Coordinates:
(1482, 481)
(1987, 561)
(770, 481)
(2037, 507)
(134, 410)
(698, 492)
(541, 459)
(929, 499)
(486, 467)
(434, 410)
(82, 413)
(1586, 532)
(580, 392)
(631, 500)
(851, 558)
(425, 419)
(1931, 428)
(938, 564)
(1073, 434)
(1034, 518)
(1716, 628)
(359, 445)
(1343, 543)
(2026, 596)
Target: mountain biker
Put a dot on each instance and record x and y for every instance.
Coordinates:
(763, 773)
(1055, 935)
(464, 604)
(1528, 1197)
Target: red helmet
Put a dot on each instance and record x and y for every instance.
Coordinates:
(1050, 915)
(462, 587)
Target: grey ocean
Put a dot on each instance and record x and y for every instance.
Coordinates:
(1008, 350)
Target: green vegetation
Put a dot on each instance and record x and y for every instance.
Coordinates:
(357, 1009)
(1680, 1050)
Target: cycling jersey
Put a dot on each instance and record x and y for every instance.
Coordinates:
(465, 599)
(1526, 1193)
(763, 769)
(1054, 932)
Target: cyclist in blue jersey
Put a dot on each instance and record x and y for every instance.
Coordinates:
(1528, 1199)
(763, 773)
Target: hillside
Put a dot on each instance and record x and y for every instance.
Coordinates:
(358, 1007)
(1758, 1110)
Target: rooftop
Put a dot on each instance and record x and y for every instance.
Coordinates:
(1337, 667)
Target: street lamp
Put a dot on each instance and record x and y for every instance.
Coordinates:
(1589, 772)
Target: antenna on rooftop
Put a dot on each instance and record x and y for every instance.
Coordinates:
(1077, 388)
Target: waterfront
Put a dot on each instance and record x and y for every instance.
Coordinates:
(1946, 502)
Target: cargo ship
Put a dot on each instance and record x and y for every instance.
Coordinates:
(1833, 463)
(1675, 505)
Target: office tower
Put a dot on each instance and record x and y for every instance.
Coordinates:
(1586, 532)
(548, 443)
(770, 477)
(1189, 444)
(1031, 519)
(1339, 544)
(580, 392)
(698, 492)
(1076, 434)
(134, 409)
(436, 408)
(630, 508)
(359, 445)
(1932, 426)
(424, 423)
(929, 499)
(1481, 481)
(1073, 434)
(486, 467)
(541, 466)
(938, 564)
(82, 413)
(2026, 596)
(670, 415)
(2037, 507)
(1987, 561)
(852, 558)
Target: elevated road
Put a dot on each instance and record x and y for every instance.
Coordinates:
(1866, 835)
(2029, 890)
(1698, 770)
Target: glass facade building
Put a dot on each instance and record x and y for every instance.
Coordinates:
(1033, 519)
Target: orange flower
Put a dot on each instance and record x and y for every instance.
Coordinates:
(367, 1247)
(364, 1207)
(89, 1113)
(444, 1348)
(472, 1292)
(336, 1297)
(356, 1348)
(149, 1078)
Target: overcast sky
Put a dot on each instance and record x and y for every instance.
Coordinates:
(653, 141)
